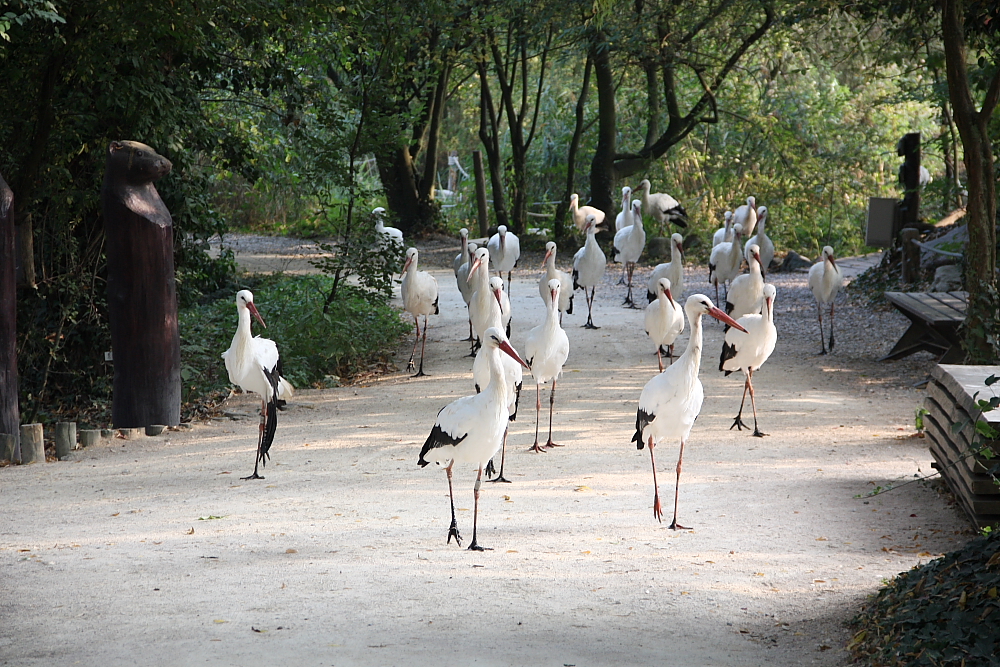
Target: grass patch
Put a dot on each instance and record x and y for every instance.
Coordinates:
(360, 329)
(942, 613)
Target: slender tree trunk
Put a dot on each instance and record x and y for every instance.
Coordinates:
(489, 135)
(559, 226)
(980, 255)
(602, 167)
(426, 191)
(9, 413)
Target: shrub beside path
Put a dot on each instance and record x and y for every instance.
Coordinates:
(154, 550)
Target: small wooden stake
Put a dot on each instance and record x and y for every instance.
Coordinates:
(65, 438)
(89, 438)
(32, 443)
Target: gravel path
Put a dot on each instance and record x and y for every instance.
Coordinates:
(339, 556)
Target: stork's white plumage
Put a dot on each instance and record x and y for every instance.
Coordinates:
(580, 213)
(664, 321)
(748, 350)
(825, 280)
(629, 244)
(505, 249)
(513, 380)
(462, 257)
(671, 401)
(726, 260)
(672, 270)
(254, 365)
(746, 294)
(462, 277)
(484, 310)
(388, 236)
(746, 216)
(496, 286)
(661, 207)
(725, 232)
(624, 218)
(547, 348)
(470, 429)
(552, 273)
(420, 297)
(589, 264)
(761, 240)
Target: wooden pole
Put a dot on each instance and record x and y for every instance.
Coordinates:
(89, 437)
(909, 178)
(65, 438)
(911, 254)
(10, 417)
(32, 443)
(477, 163)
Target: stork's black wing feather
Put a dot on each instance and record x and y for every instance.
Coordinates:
(569, 311)
(437, 438)
(517, 399)
(642, 419)
(728, 352)
(650, 297)
(576, 276)
(437, 311)
(270, 414)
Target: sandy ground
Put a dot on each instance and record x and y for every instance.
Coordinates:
(154, 552)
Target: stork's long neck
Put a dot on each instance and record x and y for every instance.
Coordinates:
(550, 266)
(760, 226)
(497, 388)
(692, 354)
(591, 241)
(241, 339)
(674, 254)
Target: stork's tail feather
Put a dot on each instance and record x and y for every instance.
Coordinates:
(569, 311)
(437, 311)
(650, 297)
(642, 419)
(517, 400)
(576, 276)
(728, 352)
(285, 389)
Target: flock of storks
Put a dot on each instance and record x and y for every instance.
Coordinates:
(473, 429)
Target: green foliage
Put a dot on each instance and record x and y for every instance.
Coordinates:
(982, 330)
(936, 614)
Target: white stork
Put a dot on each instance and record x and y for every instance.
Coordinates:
(825, 280)
(725, 232)
(624, 219)
(661, 207)
(496, 286)
(763, 241)
(629, 244)
(726, 260)
(672, 270)
(513, 381)
(580, 213)
(505, 249)
(552, 273)
(462, 277)
(547, 348)
(748, 350)
(254, 365)
(664, 321)
(388, 236)
(746, 294)
(589, 264)
(470, 429)
(420, 297)
(746, 216)
(484, 309)
(671, 401)
(462, 257)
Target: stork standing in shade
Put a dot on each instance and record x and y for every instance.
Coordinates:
(630, 242)
(746, 294)
(484, 309)
(624, 219)
(388, 236)
(254, 365)
(552, 273)
(547, 348)
(725, 232)
(825, 280)
(464, 286)
(726, 260)
(746, 216)
(496, 286)
(513, 381)
(505, 249)
(661, 207)
(748, 350)
(671, 401)
(589, 264)
(672, 270)
(580, 213)
(762, 241)
(664, 321)
(420, 297)
(462, 257)
(470, 429)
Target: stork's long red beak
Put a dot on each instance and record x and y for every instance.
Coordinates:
(406, 264)
(548, 253)
(680, 249)
(670, 298)
(472, 269)
(505, 346)
(253, 311)
(722, 317)
(833, 260)
(496, 293)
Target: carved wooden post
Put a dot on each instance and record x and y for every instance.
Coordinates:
(142, 301)
(909, 177)
(9, 414)
(477, 163)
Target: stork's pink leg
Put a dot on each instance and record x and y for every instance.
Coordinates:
(756, 431)
(538, 411)
(738, 422)
(673, 524)
(423, 347)
(552, 402)
(416, 323)
(453, 530)
(474, 546)
(657, 508)
(260, 441)
(659, 359)
(503, 459)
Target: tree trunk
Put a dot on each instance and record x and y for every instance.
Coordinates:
(426, 191)
(9, 414)
(559, 224)
(489, 135)
(602, 167)
(980, 255)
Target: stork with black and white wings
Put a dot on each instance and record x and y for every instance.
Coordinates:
(748, 350)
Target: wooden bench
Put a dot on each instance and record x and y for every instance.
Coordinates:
(950, 400)
(936, 320)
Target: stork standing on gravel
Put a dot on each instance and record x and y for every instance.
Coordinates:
(825, 280)
(589, 264)
(630, 242)
(762, 241)
(254, 365)
(505, 249)
(484, 309)
(470, 429)
(547, 348)
(748, 350)
(671, 401)
(726, 260)
(661, 207)
(552, 273)
(462, 277)
(580, 213)
(664, 321)
(624, 219)
(672, 270)
(420, 297)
